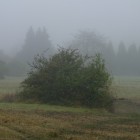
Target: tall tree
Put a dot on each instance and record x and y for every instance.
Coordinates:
(26, 54)
(88, 43)
(43, 42)
(35, 43)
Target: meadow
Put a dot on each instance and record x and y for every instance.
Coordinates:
(126, 87)
(20, 121)
(10, 85)
(122, 87)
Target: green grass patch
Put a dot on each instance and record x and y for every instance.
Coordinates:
(10, 84)
(50, 108)
(126, 87)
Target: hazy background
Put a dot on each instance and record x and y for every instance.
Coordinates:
(115, 19)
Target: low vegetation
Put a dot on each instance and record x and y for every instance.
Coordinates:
(44, 122)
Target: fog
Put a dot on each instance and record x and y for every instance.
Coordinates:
(115, 19)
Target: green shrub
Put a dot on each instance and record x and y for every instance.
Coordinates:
(68, 78)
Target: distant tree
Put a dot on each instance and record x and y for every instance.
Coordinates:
(35, 43)
(16, 68)
(30, 39)
(4, 57)
(133, 59)
(138, 57)
(89, 43)
(110, 57)
(3, 69)
(68, 78)
(122, 61)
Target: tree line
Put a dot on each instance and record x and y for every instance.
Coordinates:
(36, 42)
(123, 61)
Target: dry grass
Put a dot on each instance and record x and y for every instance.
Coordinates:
(41, 124)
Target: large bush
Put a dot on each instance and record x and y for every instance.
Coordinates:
(68, 78)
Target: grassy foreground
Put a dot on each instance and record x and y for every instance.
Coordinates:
(46, 122)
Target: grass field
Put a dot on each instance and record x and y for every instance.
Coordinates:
(127, 87)
(122, 87)
(10, 84)
(19, 121)
(44, 122)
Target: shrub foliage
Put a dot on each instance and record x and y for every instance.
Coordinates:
(68, 78)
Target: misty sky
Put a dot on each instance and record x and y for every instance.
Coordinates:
(115, 19)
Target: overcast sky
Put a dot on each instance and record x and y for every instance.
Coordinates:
(115, 19)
